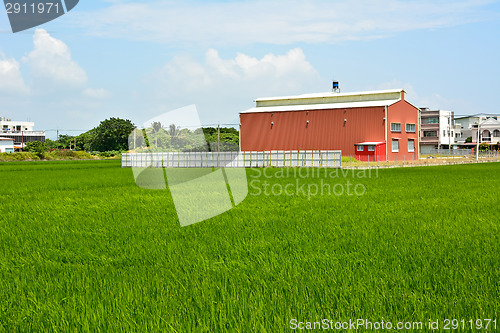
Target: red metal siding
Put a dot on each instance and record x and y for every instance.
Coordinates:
(404, 113)
(326, 129)
(369, 156)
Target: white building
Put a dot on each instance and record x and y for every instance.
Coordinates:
(438, 129)
(489, 127)
(6, 145)
(20, 131)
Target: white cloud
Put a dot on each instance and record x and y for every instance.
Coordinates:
(50, 62)
(11, 80)
(431, 100)
(222, 87)
(96, 93)
(242, 75)
(291, 70)
(276, 22)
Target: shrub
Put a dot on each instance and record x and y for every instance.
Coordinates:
(24, 156)
(110, 153)
(36, 147)
(67, 155)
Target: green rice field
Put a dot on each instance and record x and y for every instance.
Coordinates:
(83, 249)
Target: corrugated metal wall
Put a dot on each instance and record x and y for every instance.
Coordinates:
(326, 129)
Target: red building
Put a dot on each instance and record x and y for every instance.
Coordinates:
(335, 121)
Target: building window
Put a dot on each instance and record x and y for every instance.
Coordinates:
(371, 148)
(395, 146)
(433, 120)
(410, 128)
(395, 127)
(411, 146)
(428, 134)
(360, 148)
(444, 132)
(496, 134)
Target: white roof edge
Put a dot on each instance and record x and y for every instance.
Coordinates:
(305, 107)
(369, 143)
(329, 94)
(477, 115)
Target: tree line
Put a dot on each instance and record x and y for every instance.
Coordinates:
(113, 135)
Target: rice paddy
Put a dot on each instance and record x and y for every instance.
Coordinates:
(82, 248)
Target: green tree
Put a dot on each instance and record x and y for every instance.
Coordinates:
(468, 140)
(484, 146)
(51, 144)
(36, 147)
(65, 141)
(111, 134)
(156, 129)
(84, 141)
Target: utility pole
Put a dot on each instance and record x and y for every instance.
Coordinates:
(218, 146)
(135, 132)
(477, 144)
(57, 146)
(449, 132)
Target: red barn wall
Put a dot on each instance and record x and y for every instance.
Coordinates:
(326, 129)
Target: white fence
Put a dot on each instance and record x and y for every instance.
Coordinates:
(245, 159)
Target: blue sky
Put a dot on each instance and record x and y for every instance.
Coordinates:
(136, 60)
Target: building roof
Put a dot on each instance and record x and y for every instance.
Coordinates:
(478, 115)
(321, 106)
(368, 143)
(330, 94)
(490, 123)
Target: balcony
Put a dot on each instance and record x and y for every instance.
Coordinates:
(19, 133)
(427, 127)
(429, 139)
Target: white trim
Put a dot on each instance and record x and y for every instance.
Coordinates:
(321, 106)
(329, 94)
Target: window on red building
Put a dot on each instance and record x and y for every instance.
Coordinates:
(395, 146)
(395, 127)
(411, 145)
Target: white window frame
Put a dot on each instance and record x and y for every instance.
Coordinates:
(395, 130)
(371, 148)
(413, 149)
(392, 146)
(411, 131)
(362, 148)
